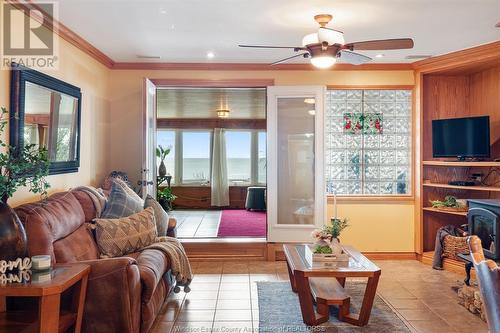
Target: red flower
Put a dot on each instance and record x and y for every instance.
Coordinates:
(377, 124)
(348, 125)
(358, 125)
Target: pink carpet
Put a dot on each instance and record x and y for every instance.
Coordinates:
(242, 223)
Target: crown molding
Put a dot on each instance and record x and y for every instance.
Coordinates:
(474, 56)
(64, 32)
(254, 66)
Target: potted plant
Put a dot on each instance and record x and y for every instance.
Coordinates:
(162, 153)
(166, 197)
(327, 238)
(27, 166)
(450, 203)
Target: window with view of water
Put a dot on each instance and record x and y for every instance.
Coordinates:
(166, 139)
(368, 142)
(195, 157)
(238, 156)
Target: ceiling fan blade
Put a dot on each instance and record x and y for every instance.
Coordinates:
(272, 47)
(382, 44)
(353, 58)
(286, 59)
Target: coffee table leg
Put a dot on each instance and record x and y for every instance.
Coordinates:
(306, 301)
(364, 314)
(49, 313)
(292, 278)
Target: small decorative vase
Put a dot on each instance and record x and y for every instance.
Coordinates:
(162, 170)
(336, 247)
(12, 234)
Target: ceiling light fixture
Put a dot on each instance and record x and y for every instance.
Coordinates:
(223, 113)
(323, 61)
(380, 55)
(312, 112)
(309, 101)
(210, 55)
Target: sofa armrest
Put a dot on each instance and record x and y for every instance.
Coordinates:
(172, 227)
(113, 302)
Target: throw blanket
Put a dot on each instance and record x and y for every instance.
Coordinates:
(437, 261)
(98, 198)
(181, 268)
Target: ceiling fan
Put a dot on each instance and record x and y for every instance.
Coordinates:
(327, 45)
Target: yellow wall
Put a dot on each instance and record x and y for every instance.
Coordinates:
(375, 226)
(81, 70)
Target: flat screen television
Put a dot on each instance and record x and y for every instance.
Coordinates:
(461, 137)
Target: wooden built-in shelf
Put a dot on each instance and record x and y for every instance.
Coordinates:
(466, 188)
(462, 164)
(435, 210)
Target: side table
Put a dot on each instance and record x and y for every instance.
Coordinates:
(51, 316)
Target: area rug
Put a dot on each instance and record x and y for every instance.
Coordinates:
(279, 311)
(242, 223)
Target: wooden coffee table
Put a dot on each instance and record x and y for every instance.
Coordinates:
(325, 286)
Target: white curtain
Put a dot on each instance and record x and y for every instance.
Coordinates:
(219, 183)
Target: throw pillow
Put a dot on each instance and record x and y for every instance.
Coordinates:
(128, 189)
(120, 203)
(161, 216)
(117, 237)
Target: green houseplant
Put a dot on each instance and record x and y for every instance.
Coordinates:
(162, 153)
(166, 197)
(19, 167)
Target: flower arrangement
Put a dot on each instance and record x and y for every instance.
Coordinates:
(328, 236)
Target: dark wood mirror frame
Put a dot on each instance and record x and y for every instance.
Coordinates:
(20, 75)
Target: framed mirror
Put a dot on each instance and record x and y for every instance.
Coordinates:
(46, 111)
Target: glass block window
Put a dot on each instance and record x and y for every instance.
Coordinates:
(368, 142)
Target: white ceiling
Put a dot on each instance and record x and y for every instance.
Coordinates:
(185, 30)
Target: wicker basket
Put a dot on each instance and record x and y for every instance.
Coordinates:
(454, 245)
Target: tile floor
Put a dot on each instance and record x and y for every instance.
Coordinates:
(224, 298)
(197, 223)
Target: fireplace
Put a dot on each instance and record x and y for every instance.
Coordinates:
(484, 222)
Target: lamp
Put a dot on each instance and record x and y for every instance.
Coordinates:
(223, 113)
(323, 61)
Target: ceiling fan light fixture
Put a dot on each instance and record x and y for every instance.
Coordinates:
(330, 36)
(310, 39)
(223, 113)
(323, 61)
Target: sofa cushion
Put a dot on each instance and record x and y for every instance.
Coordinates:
(77, 246)
(120, 203)
(117, 237)
(153, 264)
(47, 221)
(161, 216)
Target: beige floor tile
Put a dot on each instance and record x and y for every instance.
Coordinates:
(231, 294)
(202, 294)
(185, 327)
(196, 315)
(235, 278)
(204, 286)
(232, 327)
(199, 304)
(234, 304)
(235, 286)
(198, 278)
(233, 315)
(418, 314)
(413, 304)
(431, 326)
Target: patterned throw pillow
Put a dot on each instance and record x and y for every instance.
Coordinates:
(117, 237)
(161, 215)
(120, 203)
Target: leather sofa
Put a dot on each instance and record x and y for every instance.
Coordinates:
(124, 294)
